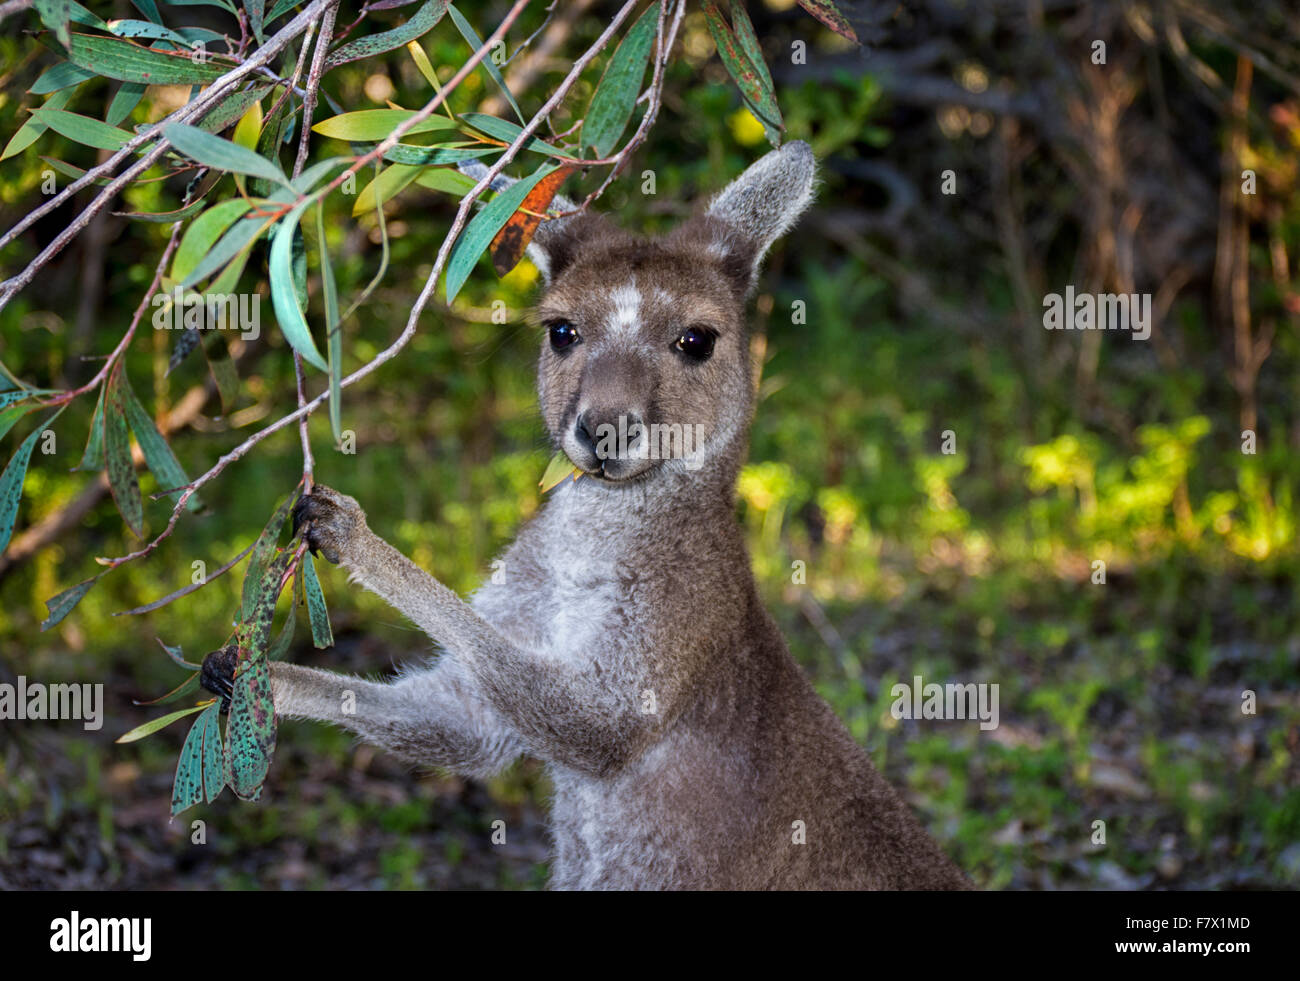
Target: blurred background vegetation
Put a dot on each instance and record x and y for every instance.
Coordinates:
(1119, 702)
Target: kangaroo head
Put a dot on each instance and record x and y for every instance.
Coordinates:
(645, 356)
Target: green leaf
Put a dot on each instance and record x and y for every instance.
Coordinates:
(435, 156)
(9, 416)
(117, 451)
(250, 730)
(256, 14)
(148, 30)
(615, 97)
(22, 394)
(419, 24)
(384, 187)
(177, 655)
(232, 108)
(284, 298)
(483, 227)
(269, 143)
(508, 132)
(743, 28)
(76, 173)
(828, 14)
(148, 8)
(202, 235)
(126, 61)
(317, 172)
(262, 551)
(31, 130)
(213, 151)
(446, 180)
(249, 127)
(220, 363)
(754, 85)
(317, 613)
(124, 102)
(285, 638)
(255, 631)
(214, 777)
(11, 481)
(373, 125)
(333, 331)
(83, 129)
(149, 728)
(54, 15)
(165, 217)
(187, 686)
(475, 42)
(237, 240)
(93, 457)
(281, 8)
(157, 454)
(59, 77)
(187, 788)
(559, 468)
(423, 63)
(61, 604)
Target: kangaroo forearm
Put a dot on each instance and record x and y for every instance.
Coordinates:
(407, 718)
(563, 715)
(389, 574)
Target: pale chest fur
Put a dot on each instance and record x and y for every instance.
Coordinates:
(569, 592)
(566, 589)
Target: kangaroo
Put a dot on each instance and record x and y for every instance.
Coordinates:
(627, 647)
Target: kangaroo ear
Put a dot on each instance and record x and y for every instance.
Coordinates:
(558, 241)
(758, 207)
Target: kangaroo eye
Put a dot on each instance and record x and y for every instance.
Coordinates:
(696, 343)
(563, 335)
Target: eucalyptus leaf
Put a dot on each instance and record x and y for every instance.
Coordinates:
(149, 728)
(417, 25)
(284, 297)
(213, 151)
(478, 234)
(61, 604)
(616, 95)
(317, 612)
(373, 125)
(11, 481)
(117, 452)
(126, 61)
(83, 129)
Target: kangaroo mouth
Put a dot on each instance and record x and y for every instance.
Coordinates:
(616, 470)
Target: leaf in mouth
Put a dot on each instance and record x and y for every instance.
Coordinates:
(559, 468)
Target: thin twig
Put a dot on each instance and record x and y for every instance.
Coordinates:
(186, 590)
(304, 142)
(313, 85)
(663, 47)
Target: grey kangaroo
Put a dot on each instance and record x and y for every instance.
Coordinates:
(627, 647)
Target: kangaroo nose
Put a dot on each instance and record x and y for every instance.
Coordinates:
(608, 435)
